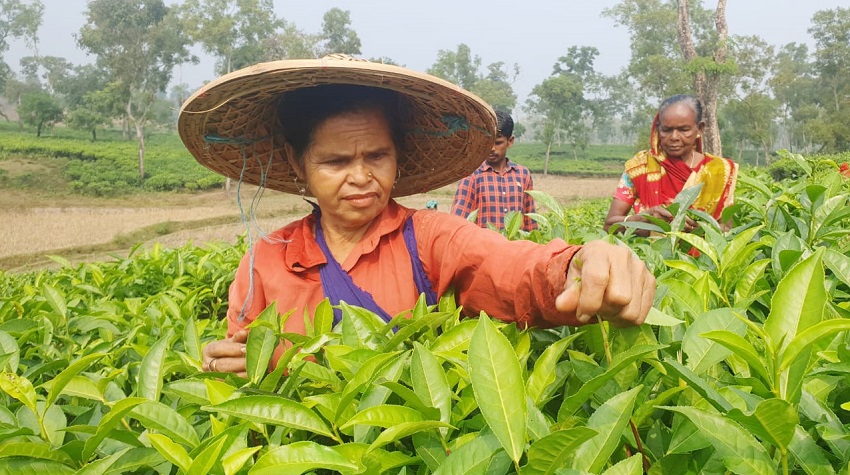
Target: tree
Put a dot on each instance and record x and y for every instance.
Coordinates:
(49, 69)
(232, 31)
(291, 43)
(676, 47)
(138, 44)
(339, 37)
(707, 69)
(83, 118)
(566, 100)
(831, 32)
(18, 19)
(39, 109)
(750, 121)
(496, 87)
(458, 67)
(792, 84)
(462, 68)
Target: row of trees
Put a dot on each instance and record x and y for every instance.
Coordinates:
(758, 95)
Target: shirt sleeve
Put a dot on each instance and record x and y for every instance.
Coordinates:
(514, 281)
(462, 204)
(528, 205)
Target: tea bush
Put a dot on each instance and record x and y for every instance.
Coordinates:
(741, 368)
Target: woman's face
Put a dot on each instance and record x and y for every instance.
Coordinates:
(350, 168)
(678, 131)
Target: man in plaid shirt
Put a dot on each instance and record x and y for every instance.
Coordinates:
(498, 185)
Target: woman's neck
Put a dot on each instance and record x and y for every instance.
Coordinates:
(342, 240)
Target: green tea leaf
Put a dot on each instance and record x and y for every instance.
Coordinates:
(174, 453)
(702, 353)
(429, 381)
(109, 422)
(551, 453)
(471, 458)
(400, 431)
(58, 383)
(498, 386)
(157, 416)
(798, 303)
(609, 421)
(805, 338)
(206, 460)
(19, 388)
(300, 457)
(629, 466)
(262, 341)
(660, 319)
(152, 369)
(384, 416)
(743, 349)
(808, 455)
(773, 420)
(192, 341)
(543, 374)
(698, 384)
(740, 451)
(572, 403)
(273, 410)
(35, 450)
(234, 462)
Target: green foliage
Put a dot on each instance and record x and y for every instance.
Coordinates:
(108, 167)
(594, 161)
(39, 109)
(741, 367)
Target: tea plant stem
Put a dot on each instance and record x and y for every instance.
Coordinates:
(609, 358)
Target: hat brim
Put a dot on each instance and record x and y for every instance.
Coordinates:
(230, 125)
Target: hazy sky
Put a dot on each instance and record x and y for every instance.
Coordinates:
(531, 33)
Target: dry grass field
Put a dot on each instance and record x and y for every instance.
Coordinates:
(89, 228)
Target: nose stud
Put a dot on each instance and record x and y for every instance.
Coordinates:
(370, 174)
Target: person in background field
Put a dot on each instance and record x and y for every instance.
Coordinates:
(674, 161)
(498, 185)
(352, 135)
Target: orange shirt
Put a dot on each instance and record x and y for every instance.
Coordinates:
(510, 280)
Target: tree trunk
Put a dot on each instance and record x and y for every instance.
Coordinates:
(139, 123)
(38, 128)
(706, 83)
(546, 161)
(94, 135)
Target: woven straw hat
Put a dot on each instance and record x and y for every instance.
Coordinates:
(230, 125)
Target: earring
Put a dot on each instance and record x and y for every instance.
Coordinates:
(302, 190)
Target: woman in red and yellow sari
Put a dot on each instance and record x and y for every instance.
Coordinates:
(674, 162)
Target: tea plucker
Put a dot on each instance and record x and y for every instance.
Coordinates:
(351, 136)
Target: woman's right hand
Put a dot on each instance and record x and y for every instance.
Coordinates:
(661, 212)
(228, 355)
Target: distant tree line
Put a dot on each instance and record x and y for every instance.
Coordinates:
(757, 96)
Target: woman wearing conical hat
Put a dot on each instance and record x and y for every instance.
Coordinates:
(350, 136)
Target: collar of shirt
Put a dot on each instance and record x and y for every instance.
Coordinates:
(509, 165)
(301, 252)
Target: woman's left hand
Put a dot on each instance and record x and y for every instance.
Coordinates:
(228, 355)
(609, 281)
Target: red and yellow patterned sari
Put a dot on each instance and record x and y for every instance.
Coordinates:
(651, 179)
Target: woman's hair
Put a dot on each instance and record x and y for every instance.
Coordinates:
(302, 110)
(686, 99)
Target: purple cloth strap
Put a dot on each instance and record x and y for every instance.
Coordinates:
(338, 285)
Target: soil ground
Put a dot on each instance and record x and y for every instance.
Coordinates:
(83, 228)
